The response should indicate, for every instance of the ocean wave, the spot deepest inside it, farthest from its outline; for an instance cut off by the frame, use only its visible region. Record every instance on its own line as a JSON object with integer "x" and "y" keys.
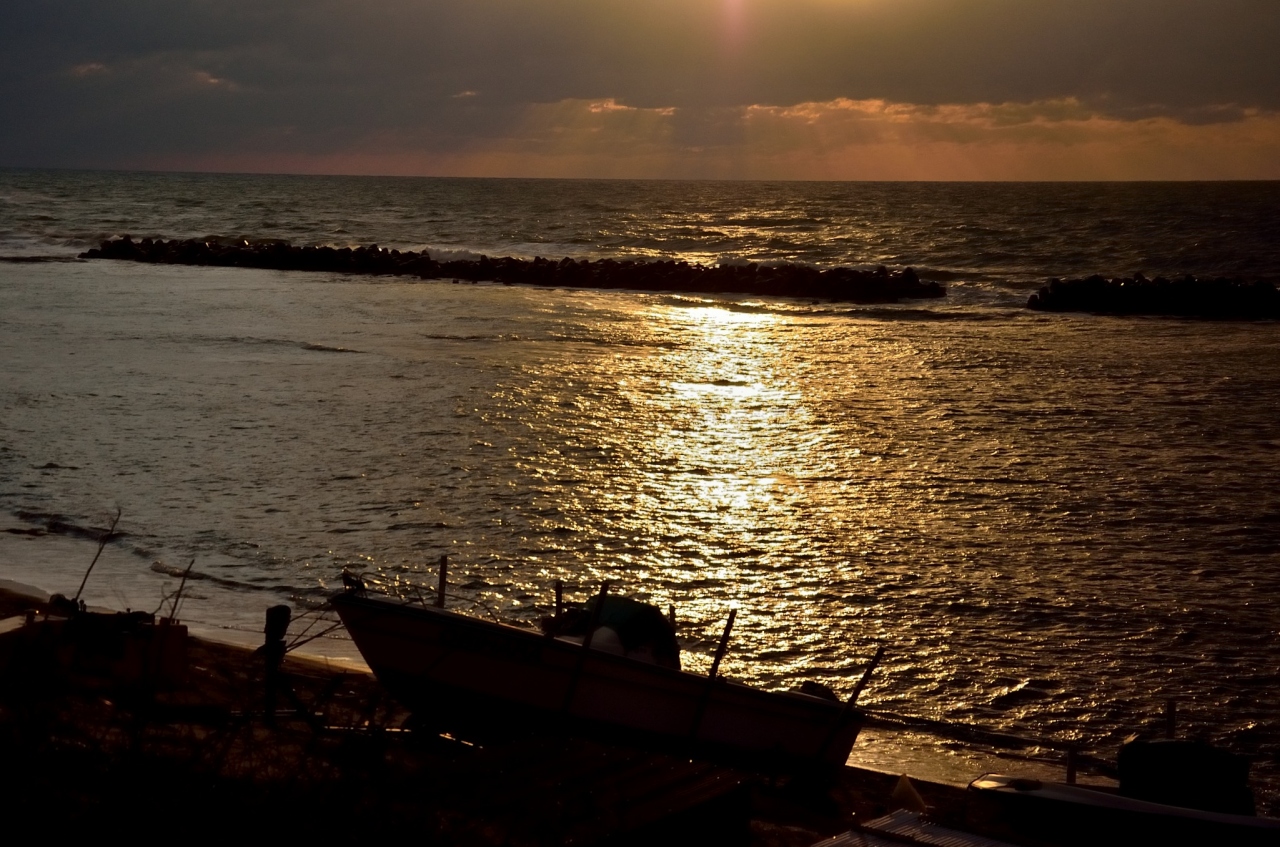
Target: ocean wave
{"x": 19, "y": 259}
{"x": 193, "y": 575}
{"x": 285, "y": 342}
{"x": 56, "y": 524}
{"x": 941, "y": 275}
{"x": 910, "y": 314}
{"x": 325, "y": 348}
{"x": 455, "y": 254}
{"x": 746, "y": 307}
{"x": 981, "y": 310}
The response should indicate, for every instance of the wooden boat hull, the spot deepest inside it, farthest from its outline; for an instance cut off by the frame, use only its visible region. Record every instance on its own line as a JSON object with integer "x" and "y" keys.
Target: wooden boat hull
{"x": 456, "y": 669}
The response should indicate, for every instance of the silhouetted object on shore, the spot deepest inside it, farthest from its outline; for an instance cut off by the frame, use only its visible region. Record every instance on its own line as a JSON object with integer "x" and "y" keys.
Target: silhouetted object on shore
{"x": 68, "y": 647}
{"x": 1170, "y": 792}
{"x": 1035, "y": 813}
{"x": 137, "y": 754}
{"x": 102, "y": 543}
{"x": 839, "y": 284}
{"x": 463, "y": 674}
{"x": 633, "y": 628}
{"x": 275, "y": 682}
{"x": 1186, "y": 297}
{"x": 1190, "y": 774}
{"x": 273, "y": 650}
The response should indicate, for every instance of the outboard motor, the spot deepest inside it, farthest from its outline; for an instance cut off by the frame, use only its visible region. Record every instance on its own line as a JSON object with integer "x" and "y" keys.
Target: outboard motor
{"x": 634, "y": 629}
{"x": 1191, "y": 774}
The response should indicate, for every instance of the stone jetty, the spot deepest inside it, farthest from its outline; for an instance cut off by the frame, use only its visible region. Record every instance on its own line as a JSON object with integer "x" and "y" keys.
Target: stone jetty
{"x": 836, "y": 284}
{"x": 1221, "y": 298}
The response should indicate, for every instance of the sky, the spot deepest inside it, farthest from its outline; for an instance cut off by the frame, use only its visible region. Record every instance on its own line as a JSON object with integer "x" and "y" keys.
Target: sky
{"x": 714, "y": 89}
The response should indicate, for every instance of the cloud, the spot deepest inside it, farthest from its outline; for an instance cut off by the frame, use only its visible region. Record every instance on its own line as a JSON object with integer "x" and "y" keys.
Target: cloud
{"x": 204, "y": 78}
{"x": 1056, "y": 139}
{"x": 838, "y": 139}
{"x": 878, "y": 139}
{"x": 87, "y": 69}
{"x": 453, "y": 82}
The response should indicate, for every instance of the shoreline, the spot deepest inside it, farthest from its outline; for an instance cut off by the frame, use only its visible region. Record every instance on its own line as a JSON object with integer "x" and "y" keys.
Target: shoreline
{"x": 884, "y": 746}
{"x": 205, "y": 735}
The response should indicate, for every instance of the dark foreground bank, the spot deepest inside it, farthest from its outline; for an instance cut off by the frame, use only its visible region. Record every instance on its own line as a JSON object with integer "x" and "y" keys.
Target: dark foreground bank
{"x": 193, "y": 747}
{"x": 836, "y": 284}
{"x": 123, "y": 722}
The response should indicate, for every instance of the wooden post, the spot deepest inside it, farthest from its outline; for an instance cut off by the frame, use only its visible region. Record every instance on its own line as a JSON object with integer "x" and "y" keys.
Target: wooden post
{"x": 852, "y": 701}
{"x": 671, "y": 616}
{"x": 177, "y": 598}
{"x": 276, "y": 683}
{"x": 559, "y": 597}
{"x": 273, "y": 650}
{"x": 444, "y": 580}
{"x": 1170, "y": 718}
{"x": 866, "y": 677}
{"x": 701, "y": 710}
{"x": 724, "y": 644}
{"x": 1071, "y": 765}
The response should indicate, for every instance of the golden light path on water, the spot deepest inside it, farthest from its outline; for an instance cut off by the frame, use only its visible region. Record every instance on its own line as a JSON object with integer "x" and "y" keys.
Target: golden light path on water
{"x": 727, "y": 420}
{"x": 721, "y": 460}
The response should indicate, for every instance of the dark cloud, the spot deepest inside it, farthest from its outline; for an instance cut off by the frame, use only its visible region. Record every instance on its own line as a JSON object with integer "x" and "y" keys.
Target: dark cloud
{"x": 94, "y": 83}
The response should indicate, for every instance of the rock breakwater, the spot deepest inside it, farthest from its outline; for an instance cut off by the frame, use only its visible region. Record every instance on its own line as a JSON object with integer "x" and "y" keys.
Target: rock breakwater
{"x": 1222, "y": 298}
{"x": 838, "y": 284}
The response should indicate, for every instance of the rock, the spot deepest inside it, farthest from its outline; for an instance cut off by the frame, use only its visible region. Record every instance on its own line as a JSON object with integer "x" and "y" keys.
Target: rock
{"x": 1221, "y": 298}
{"x": 840, "y": 284}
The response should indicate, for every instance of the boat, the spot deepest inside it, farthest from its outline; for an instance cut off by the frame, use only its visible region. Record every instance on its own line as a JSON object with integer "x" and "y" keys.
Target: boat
{"x": 1034, "y": 813}
{"x": 455, "y": 670}
{"x": 95, "y": 650}
{"x": 1171, "y": 791}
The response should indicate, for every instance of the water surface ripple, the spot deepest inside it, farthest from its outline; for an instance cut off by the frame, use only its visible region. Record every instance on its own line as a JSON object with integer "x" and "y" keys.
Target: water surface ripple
{"x": 1053, "y": 522}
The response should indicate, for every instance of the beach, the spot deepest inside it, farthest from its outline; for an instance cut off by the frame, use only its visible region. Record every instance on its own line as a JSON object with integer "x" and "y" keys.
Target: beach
{"x": 96, "y": 752}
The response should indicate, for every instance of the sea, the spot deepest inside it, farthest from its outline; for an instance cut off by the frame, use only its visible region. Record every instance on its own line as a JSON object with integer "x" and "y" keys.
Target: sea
{"x": 1054, "y": 524}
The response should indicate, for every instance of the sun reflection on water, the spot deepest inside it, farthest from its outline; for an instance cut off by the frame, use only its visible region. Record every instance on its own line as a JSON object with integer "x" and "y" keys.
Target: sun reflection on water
{"x": 720, "y": 443}
{"x": 696, "y": 453}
